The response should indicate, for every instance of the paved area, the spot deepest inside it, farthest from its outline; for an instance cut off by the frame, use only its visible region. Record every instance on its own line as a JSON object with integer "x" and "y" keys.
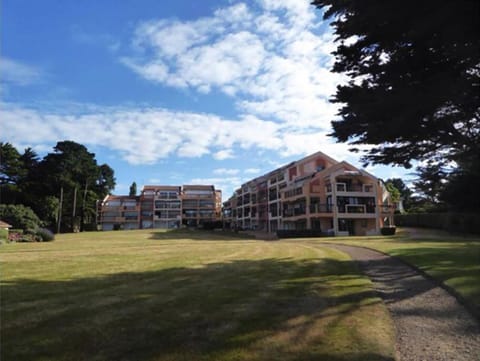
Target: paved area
{"x": 430, "y": 323}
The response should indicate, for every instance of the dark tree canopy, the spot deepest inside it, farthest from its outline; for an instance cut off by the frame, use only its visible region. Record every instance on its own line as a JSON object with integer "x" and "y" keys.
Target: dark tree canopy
{"x": 133, "y": 190}
{"x": 66, "y": 182}
{"x": 10, "y": 164}
{"x": 414, "y": 68}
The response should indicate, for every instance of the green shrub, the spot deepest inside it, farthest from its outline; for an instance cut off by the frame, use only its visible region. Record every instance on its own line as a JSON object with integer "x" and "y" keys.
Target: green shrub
{"x": 388, "y": 231}
{"x": 118, "y": 227}
{"x": 44, "y": 235}
{"x": 19, "y": 216}
{"x": 3, "y": 236}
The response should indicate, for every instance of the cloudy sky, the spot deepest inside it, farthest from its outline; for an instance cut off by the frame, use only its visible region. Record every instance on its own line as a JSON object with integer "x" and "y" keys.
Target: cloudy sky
{"x": 171, "y": 92}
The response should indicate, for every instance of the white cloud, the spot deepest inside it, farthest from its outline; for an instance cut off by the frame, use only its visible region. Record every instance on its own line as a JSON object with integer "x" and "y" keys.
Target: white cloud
{"x": 17, "y": 73}
{"x": 226, "y": 171}
{"x": 267, "y": 57}
{"x": 252, "y": 170}
{"x": 147, "y": 135}
{"x": 224, "y": 154}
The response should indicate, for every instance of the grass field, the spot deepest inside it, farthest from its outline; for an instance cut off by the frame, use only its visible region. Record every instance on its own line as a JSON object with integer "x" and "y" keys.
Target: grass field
{"x": 143, "y": 295}
{"x": 452, "y": 259}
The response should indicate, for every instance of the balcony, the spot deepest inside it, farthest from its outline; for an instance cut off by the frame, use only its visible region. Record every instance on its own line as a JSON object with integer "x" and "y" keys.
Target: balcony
{"x": 291, "y": 193}
{"x": 190, "y": 214}
{"x": 321, "y": 208}
{"x": 198, "y": 195}
{"x": 114, "y": 219}
{"x": 167, "y": 195}
{"x": 344, "y": 188}
{"x": 357, "y": 210}
{"x": 289, "y": 212}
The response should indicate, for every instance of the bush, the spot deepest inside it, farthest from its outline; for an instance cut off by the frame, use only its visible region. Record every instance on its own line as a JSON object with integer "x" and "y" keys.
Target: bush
{"x": 44, "y": 235}
{"x": 19, "y": 216}
{"x": 15, "y": 235}
{"x": 3, "y": 235}
{"x": 388, "y": 231}
{"x": 211, "y": 225}
{"x": 118, "y": 227}
{"x": 293, "y": 233}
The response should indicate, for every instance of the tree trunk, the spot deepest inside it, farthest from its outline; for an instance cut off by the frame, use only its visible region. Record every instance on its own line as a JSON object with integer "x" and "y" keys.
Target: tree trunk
{"x": 60, "y": 210}
{"x": 82, "y": 214}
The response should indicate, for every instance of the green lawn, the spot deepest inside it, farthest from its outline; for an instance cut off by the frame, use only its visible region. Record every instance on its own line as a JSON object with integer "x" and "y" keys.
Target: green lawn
{"x": 143, "y": 295}
{"x": 452, "y": 259}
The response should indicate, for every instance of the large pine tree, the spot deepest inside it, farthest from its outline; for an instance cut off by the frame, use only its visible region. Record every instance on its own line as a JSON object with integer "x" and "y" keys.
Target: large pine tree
{"x": 414, "y": 68}
{"x": 64, "y": 185}
{"x": 414, "y": 88}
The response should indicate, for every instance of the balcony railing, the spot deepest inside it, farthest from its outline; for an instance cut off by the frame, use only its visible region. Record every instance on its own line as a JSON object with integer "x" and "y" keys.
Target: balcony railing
{"x": 321, "y": 208}
{"x": 344, "y": 187}
{"x": 356, "y": 209}
{"x": 294, "y": 212}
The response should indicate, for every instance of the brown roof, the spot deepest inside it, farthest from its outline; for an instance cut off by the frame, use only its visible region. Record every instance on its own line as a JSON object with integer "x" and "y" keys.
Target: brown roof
{"x": 5, "y": 225}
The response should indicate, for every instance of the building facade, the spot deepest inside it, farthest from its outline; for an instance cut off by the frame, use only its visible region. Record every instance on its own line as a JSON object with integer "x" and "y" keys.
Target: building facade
{"x": 161, "y": 207}
{"x": 315, "y": 192}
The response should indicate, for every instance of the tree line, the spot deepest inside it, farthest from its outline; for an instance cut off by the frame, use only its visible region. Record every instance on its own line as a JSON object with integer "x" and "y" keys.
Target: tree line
{"x": 61, "y": 189}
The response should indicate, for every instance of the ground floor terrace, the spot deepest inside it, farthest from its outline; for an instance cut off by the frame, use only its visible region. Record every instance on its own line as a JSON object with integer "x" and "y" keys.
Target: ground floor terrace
{"x": 327, "y": 224}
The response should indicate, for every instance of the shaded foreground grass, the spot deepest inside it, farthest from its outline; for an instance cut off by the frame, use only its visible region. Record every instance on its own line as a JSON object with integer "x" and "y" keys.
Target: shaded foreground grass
{"x": 139, "y": 295}
{"x": 451, "y": 259}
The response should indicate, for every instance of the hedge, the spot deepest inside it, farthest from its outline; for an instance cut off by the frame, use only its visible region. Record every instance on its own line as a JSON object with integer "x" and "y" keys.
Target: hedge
{"x": 3, "y": 234}
{"x": 292, "y": 233}
{"x": 451, "y": 222}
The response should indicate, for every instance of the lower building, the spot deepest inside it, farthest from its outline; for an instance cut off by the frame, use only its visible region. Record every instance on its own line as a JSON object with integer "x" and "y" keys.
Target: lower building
{"x": 313, "y": 193}
{"x": 118, "y": 212}
{"x": 161, "y": 207}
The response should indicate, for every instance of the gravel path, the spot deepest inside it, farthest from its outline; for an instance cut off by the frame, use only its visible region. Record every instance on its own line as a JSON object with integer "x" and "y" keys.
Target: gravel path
{"x": 430, "y": 324}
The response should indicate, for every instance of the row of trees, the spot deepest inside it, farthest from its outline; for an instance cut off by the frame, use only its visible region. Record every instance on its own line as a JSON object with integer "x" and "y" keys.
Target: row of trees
{"x": 435, "y": 189}
{"x": 413, "y": 93}
{"x": 62, "y": 188}
{"x": 423, "y": 197}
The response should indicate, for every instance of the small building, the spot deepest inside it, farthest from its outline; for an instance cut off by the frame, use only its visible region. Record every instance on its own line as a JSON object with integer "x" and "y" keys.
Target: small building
{"x": 4, "y": 227}
{"x": 161, "y": 206}
{"x": 118, "y": 212}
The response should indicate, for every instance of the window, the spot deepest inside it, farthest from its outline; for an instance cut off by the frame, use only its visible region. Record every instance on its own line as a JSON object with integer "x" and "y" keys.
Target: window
{"x": 368, "y": 188}
{"x": 274, "y": 210}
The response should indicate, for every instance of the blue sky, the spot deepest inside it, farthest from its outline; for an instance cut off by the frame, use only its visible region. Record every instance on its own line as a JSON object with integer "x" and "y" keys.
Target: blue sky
{"x": 171, "y": 92}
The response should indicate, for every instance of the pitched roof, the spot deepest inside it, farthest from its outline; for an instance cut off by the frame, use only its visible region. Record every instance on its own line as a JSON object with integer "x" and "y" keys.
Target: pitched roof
{"x": 5, "y": 225}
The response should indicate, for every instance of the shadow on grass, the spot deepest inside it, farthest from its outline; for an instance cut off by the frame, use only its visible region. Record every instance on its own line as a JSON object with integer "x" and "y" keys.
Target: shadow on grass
{"x": 270, "y": 309}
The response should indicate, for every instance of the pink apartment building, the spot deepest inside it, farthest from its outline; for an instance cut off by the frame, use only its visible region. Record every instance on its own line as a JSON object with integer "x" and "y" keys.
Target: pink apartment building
{"x": 160, "y": 206}
{"x": 313, "y": 193}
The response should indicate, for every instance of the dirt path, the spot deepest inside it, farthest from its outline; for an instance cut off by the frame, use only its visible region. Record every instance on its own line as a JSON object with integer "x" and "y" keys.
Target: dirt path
{"x": 430, "y": 324}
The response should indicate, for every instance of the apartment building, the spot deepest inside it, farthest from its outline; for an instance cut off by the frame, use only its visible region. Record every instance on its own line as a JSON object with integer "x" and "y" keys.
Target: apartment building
{"x": 316, "y": 192}
{"x": 116, "y": 212}
{"x": 160, "y": 206}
